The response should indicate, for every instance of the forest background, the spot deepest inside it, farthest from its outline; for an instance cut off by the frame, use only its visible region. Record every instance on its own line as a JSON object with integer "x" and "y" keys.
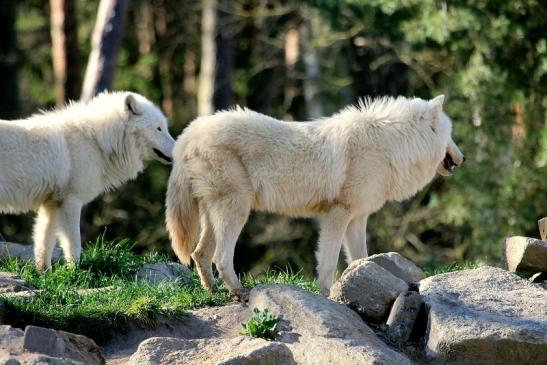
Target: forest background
{"x": 299, "y": 60}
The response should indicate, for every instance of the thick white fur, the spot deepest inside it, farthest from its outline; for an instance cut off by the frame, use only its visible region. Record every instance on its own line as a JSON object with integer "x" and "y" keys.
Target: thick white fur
{"x": 339, "y": 169}
{"x": 57, "y": 161}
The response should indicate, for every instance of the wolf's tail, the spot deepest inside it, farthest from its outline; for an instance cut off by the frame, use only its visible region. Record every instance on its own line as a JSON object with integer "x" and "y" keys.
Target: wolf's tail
{"x": 182, "y": 213}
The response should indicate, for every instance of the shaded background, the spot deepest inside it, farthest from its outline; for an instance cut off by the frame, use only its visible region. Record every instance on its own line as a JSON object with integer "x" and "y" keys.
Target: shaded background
{"x": 298, "y": 60}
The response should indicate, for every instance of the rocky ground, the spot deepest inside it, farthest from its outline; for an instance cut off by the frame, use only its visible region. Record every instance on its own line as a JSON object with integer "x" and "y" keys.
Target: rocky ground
{"x": 381, "y": 311}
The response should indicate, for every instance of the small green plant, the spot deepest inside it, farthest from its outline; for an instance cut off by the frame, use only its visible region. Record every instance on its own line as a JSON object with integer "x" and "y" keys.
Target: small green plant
{"x": 262, "y": 325}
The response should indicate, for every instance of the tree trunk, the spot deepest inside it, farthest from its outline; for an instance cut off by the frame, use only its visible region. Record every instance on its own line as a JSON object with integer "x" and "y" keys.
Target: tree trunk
{"x": 9, "y": 90}
{"x": 311, "y": 82}
{"x": 224, "y": 93}
{"x": 64, "y": 41}
{"x": 106, "y": 39}
{"x": 206, "y": 87}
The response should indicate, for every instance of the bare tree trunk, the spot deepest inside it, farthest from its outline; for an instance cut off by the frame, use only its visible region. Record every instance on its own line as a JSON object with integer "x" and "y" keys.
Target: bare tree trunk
{"x": 224, "y": 93}
{"x": 311, "y": 82}
{"x": 64, "y": 39}
{"x": 9, "y": 90}
{"x": 206, "y": 87}
{"x": 106, "y": 39}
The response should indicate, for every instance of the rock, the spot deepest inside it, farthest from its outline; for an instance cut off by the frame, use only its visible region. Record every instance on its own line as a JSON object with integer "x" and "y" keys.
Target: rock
{"x": 43, "y": 340}
{"x": 368, "y": 288}
{"x": 158, "y": 272}
{"x": 237, "y": 351}
{"x": 402, "y": 317}
{"x": 485, "y": 316}
{"x": 60, "y": 344}
{"x": 12, "y": 283}
{"x": 37, "y": 346}
{"x": 214, "y": 322}
{"x": 23, "y": 252}
{"x": 399, "y": 266}
{"x": 320, "y": 331}
{"x": 525, "y": 254}
{"x": 10, "y": 337}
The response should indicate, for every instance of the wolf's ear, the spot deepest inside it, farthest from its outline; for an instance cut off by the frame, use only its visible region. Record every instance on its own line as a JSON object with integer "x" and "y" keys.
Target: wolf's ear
{"x": 132, "y": 105}
{"x": 437, "y": 102}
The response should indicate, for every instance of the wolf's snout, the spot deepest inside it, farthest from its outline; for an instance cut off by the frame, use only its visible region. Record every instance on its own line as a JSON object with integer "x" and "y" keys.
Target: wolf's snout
{"x": 162, "y": 156}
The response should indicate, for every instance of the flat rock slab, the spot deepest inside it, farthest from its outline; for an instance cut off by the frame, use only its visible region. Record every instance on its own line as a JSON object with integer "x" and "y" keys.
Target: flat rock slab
{"x": 525, "y": 254}
{"x": 399, "y": 266}
{"x": 485, "y": 316}
{"x": 368, "y": 288}
{"x": 23, "y": 252}
{"x": 236, "y": 351}
{"x": 161, "y": 271}
{"x": 321, "y": 331}
{"x": 215, "y": 322}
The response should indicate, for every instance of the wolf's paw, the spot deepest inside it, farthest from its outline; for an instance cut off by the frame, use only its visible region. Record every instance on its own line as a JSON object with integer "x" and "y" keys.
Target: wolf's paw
{"x": 241, "y": 295}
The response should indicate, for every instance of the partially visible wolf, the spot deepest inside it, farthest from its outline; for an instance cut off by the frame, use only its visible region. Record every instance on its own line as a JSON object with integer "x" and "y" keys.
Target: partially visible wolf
{"x": 340, "y": 169}
{"x": 57, "y": 161}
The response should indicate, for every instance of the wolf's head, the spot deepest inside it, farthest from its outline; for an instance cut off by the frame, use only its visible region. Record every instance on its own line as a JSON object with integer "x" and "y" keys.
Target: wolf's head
{"x": 453, "y": 157}
{"x": 150, "y": 127}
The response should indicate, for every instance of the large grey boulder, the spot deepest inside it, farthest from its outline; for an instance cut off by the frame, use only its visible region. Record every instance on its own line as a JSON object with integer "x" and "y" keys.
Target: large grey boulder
{"x": 399, "y": 266}
{"x": 368, "y": 288}
{"x": 236, "y": 351}
{"x": 38, "y": 345}
{"x": 161, "y": 271}
{"x": 525, "y": 254}
{"x": 23, "y": 252}
{"x": 321, "y": 331}
{"x": 485, "y": 316}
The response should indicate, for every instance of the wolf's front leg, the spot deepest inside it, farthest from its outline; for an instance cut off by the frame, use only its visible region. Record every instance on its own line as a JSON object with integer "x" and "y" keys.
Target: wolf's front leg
{"x": 69, "y": 230}
{"x": 44, "y": 236}
{"x": 356, "y": 239}
{"x": 332, "y": 229}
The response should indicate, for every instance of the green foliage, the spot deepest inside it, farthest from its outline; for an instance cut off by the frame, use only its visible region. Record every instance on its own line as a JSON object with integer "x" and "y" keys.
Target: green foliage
{"x": 432, "y": 271}
{"x": 263, "y": 324}
{"x": 284, "y": 276}
{"x": 120, "y": 299}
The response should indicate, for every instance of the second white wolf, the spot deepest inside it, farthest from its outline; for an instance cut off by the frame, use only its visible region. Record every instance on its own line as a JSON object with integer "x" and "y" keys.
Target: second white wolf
{"x": 340, "y": 169}
{"x": 57, "y": 161}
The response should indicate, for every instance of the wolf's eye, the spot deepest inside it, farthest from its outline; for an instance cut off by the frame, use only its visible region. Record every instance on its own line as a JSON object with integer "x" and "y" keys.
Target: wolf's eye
{"x": 159, "y": 129}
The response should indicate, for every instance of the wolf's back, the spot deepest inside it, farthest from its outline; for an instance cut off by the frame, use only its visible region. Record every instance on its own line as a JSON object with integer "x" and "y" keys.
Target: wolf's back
{"x": 182, "y": 214}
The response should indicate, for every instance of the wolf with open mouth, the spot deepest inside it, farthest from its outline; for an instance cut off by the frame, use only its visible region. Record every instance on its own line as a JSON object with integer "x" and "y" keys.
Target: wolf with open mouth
{"x": 339, "y": 169}
{"x": 57, "y": 161}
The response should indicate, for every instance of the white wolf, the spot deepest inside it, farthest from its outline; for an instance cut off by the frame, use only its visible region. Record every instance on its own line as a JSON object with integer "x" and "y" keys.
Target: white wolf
{"x": 57, "y": 161}
{"x": 339, "y": 169}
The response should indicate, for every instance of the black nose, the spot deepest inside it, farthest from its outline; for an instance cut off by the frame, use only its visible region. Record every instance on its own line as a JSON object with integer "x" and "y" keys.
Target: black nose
{"x": 463, "y": 159}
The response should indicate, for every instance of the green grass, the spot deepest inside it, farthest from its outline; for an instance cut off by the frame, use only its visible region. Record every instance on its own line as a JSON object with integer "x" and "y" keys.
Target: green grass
{"x": 436, "y": 270}
{"x": 101, "y": 314}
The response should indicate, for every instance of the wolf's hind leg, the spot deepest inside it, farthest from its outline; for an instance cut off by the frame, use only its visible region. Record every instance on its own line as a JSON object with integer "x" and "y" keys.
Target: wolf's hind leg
{"x": 204, "y": 252}
{"x": 332, "y": 226}
{"x": 44, "y": 236}
{"x": 228, "y": 216}
{"x": 355, "y": 243}
{"x": 69, "y": 230}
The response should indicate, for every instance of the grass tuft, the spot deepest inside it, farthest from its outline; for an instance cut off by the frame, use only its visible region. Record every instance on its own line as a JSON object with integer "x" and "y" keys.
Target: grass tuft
{"x": 432, "y": 271}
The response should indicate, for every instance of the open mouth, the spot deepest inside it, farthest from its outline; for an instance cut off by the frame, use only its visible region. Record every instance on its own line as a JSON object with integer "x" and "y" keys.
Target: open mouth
{"x": 162, "y": 156}
{"x": 448, "y": 163}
